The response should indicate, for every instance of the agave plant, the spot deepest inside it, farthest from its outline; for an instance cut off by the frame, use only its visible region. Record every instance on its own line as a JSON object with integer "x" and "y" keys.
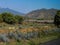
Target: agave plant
{"x": 4, "y": 38}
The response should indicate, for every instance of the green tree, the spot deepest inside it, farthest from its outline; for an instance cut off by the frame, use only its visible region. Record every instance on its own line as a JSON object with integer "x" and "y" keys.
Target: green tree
{"x": 1, "y": 19}
{"x": 11, "y": 19}
{"x": 57, "y": 19}
{"x": 8, "y": 18}
{"x": 19, "y": 19}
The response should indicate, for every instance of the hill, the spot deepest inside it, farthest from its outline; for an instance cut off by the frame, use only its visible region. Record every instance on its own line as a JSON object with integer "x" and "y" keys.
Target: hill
{"x": 11, "y": 11}
{"x": 42, "y": 14}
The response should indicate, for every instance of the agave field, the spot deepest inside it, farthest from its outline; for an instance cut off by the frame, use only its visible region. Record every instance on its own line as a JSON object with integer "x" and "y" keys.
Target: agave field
{"x": 28, "y": 34}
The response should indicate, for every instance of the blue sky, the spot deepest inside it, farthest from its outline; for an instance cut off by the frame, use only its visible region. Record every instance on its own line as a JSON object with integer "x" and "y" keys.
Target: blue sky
{"x": 26, "y": 6}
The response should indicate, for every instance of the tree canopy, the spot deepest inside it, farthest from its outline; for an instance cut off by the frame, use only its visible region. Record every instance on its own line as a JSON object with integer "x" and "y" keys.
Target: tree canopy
{"x": 57, "y": 19}
{"x": 19, "y": 19}
{"x": 10, "y": 18}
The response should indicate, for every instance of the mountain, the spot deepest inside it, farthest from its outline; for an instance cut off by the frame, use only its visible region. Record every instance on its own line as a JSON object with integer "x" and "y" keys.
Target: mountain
{"x": 11, "y": 11}
{"x": 42, "y": 14}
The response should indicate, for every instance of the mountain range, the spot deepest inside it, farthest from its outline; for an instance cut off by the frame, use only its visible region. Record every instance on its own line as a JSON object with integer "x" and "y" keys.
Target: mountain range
{"x": 42, "y": 13}
{"x": 35, "y": 14}
{"x": 10, "y": 11}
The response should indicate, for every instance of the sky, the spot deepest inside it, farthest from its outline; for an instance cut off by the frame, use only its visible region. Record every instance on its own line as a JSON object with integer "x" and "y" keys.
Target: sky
{"x": 26, "y": 6}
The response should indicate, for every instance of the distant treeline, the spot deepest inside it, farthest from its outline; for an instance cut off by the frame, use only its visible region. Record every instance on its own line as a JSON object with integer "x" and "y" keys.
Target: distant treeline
{"x": 10, "y": 18}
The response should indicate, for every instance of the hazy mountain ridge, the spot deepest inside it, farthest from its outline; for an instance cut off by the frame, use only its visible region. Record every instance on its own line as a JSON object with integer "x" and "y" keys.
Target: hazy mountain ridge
{"x": 42, "y": 13}
{"x": 11, "y": 11}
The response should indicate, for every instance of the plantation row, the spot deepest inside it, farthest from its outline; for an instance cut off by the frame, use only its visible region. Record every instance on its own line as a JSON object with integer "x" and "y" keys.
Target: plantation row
{"x": 18, "y": 36}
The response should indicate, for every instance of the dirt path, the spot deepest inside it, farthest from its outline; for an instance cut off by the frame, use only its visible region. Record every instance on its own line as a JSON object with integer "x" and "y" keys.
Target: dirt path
{"x": 54, "y": 42}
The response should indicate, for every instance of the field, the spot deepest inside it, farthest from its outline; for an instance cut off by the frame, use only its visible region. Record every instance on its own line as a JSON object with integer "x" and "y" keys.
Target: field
{"x": 28, "y": 33}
